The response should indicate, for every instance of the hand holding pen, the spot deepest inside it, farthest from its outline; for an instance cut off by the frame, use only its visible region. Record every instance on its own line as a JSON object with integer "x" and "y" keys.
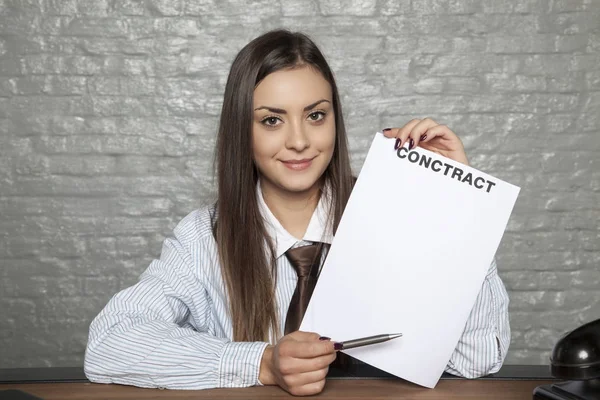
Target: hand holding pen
{"x": 299, "y": 362}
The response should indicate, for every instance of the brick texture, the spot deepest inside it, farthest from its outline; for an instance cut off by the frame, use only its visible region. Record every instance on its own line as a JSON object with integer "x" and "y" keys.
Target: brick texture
{"x": 108, "y": 113}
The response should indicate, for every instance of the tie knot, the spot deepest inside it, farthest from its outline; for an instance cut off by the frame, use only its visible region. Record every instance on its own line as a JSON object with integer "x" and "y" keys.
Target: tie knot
{"x": 303, "y": 259}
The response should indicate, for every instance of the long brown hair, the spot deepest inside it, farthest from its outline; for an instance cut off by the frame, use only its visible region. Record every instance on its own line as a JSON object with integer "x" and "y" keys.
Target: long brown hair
{"x": 249, "y": 272}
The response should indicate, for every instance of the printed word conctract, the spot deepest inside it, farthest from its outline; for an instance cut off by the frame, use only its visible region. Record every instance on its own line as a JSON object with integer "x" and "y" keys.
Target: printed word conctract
{"x": 448, "y": 170}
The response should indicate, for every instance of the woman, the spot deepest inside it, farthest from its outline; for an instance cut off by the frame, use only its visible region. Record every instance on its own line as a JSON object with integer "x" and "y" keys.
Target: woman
{"x": 212, "y": 311}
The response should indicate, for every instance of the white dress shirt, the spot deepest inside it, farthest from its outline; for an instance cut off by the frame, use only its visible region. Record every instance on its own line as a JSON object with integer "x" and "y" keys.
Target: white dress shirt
{"x": 172, "y": 329}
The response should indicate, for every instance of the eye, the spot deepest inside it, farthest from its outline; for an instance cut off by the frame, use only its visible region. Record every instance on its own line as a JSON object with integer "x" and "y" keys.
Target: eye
{"x": 316, "y": 116}
{"x": 270, "y": 121}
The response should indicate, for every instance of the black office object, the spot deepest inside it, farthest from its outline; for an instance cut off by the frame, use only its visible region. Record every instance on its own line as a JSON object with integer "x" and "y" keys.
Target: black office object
{"x": 576, "y": 357}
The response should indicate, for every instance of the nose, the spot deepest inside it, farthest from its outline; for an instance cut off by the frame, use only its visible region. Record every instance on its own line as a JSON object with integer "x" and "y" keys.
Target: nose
{"x": 297, "y": 138}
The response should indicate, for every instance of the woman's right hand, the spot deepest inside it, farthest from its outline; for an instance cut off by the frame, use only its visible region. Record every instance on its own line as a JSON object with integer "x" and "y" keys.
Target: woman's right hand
{"x": 298, "y": 363}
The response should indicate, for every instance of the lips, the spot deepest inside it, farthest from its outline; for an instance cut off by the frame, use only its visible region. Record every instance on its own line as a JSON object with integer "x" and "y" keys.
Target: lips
{"x": 298, "y": 165}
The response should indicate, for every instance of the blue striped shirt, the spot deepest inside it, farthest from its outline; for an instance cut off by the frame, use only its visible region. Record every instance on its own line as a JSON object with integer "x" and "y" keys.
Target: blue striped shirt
{"x": 172, "y": 329}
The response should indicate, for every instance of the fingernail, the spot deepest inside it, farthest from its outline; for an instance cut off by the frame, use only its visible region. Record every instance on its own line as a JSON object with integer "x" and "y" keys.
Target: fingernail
{"x": 324, "y": 338}
{"x": 412, "y": 144}
{"x": 424, "y": 136}
{"x": 338, "y": 346}
{"x": 387, "y": 129}
{"x": 398, "y": 141}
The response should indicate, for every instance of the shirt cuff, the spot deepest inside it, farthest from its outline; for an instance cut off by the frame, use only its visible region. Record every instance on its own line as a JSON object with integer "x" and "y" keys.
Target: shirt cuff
{"x": 240, "y": 364}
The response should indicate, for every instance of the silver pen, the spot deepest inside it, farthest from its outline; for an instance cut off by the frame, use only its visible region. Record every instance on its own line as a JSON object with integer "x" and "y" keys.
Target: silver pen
{"x": 350, "y": 344}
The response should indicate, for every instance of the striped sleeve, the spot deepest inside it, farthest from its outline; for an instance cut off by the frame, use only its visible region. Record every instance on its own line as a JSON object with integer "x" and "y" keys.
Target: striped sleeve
{"x": 485, "y": 340}
{"x": 143, "y": 338}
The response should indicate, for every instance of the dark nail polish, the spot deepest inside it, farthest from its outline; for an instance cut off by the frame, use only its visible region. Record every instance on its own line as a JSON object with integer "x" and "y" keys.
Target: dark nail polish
{"x": 424, "y": 136}
{"x": 324, "y": 338}
{"x": 338, "y": 346}
{"x": 412, "y": 144}
{"x": 387, "y": 129}
{"x": 397, "y": 144}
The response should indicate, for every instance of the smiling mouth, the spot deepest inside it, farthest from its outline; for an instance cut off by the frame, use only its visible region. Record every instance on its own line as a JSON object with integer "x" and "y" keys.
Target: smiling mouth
{"x": 298, "y": 165}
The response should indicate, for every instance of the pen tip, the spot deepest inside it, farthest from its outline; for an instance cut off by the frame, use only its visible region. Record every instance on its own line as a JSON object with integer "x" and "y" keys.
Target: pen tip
{"x": 395, "y": 335}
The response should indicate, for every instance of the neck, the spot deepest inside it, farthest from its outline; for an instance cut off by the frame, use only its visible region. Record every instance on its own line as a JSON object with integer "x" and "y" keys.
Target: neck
{"x": 292, "y": 210}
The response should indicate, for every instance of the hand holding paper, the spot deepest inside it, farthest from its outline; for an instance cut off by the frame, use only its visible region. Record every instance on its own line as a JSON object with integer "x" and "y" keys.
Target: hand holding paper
{"x": 431, "y": 136}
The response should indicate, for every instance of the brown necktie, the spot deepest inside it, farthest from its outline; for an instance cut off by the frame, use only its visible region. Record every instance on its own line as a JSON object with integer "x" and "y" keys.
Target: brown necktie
{"x": 305, "y": 260}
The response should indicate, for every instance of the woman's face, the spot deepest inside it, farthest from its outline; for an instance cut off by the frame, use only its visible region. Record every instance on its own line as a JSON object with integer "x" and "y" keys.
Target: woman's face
{"x": 293, "y": 130}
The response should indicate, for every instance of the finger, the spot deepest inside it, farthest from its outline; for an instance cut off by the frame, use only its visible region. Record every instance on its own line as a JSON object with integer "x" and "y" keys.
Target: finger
{"x": 304, "y": 336}
{"x": 292, "y": 365}
{"x": 305, "y": 378}
{"x": 403, "y": 132}
{"x": 300, "y": 365}
{"x": 442, "y": 131}
{"x": 318, "y": 349}
{"x": 419, "y": 132}
{"x": 307, "y": 390}
{"x": 390, "y": 132}
{"x": 443, "y": 135}
{"x": 442, "y": 140}
{"x": 306, "y": 349}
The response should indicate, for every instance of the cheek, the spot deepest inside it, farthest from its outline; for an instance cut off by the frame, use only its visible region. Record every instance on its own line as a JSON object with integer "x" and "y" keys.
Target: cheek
{"x": 325, "y": 139}
{"x": 327, "y": 144}
{"x": 265, "y": 144}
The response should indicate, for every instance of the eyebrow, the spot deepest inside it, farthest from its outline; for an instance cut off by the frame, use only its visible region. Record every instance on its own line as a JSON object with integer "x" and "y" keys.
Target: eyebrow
{"x": 282, "y": 111}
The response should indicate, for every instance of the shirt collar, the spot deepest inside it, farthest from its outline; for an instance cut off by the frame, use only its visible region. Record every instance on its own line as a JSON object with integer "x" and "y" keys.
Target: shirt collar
{"x": 318, "y": 229}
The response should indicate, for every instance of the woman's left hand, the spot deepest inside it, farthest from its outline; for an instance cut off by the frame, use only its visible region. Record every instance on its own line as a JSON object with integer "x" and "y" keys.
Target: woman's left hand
{"x": 431, "y": 136}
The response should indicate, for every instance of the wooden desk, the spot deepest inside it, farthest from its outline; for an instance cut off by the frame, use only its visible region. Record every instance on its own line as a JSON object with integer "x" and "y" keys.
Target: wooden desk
{"x": 335, "y": 389}
{"x": 365, "y": 382}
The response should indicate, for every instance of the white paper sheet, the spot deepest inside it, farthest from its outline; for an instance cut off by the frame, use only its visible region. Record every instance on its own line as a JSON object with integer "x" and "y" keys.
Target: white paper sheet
{"x": 410, "y": 256}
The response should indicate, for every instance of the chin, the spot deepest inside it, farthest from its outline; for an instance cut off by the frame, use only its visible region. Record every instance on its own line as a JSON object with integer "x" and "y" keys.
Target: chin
{"x": 297, "y": 187}
{"x": 299, "y": 184}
